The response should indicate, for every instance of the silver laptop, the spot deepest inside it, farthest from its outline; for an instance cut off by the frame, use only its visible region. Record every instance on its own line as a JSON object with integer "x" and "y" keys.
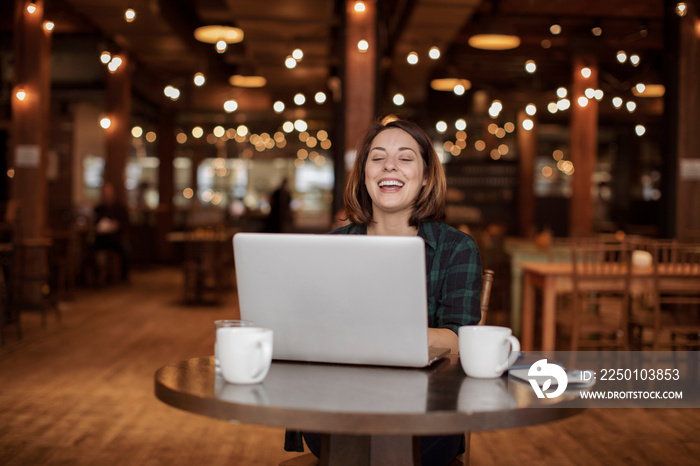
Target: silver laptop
{"x": 351, "y": 299}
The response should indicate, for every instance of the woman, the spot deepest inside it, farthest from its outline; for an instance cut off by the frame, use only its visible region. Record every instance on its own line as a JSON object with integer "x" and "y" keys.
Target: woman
{"x": 397, "y": 188}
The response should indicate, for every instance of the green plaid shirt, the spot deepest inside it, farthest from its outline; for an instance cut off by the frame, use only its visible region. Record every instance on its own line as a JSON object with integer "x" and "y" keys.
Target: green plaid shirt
{"x": 453, "y": 267}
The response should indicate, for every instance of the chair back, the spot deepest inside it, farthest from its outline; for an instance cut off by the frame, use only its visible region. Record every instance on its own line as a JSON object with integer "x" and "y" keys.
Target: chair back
{"x": 601, "y": 279}
{"x": 676, "y": 268}
{"x": 486, "y": 283}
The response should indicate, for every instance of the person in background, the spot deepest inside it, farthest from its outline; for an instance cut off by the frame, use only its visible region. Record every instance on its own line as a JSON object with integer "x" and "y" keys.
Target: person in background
{"x": 397, "y": 188}
{"x": 279, "y": 220}
{"x": 112, "y": 227}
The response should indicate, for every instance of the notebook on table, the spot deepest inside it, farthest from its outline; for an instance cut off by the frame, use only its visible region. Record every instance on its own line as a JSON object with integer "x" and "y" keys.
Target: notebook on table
{"x": 350, "y": 299}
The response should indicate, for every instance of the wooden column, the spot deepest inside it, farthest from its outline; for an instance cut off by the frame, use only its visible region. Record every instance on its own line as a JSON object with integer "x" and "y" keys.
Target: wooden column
{"x": 360, "y": 72}
{"x": 30, "y": 123}
{"x": 687, "y": 95}
{"x": 30, "y": 119}
{"x": 166, "y": 151}
{"x": 527, "y": 152}
{"x": 118, "y": 109}
{"x": 584, "y": 146}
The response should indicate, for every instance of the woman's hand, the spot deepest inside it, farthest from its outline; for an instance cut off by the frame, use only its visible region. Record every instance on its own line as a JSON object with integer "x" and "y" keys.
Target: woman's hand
{"x": 443, "y": 338}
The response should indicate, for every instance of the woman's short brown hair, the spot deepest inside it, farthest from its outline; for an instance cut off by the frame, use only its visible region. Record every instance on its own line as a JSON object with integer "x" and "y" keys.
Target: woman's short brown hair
{"x": 430, "y": 203}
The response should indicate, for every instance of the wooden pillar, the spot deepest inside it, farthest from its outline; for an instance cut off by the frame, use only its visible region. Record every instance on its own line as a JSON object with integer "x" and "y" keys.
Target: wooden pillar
{"x": 687, "y": 95}
{"x": 584, "y": 145}
{"x": 360, "y": 72}
{"x": 118, "y": 109}
{"x": 30, "y": 119}
{"x": 527, "y": 152}
{"x": 30, "y": 124}
{"x": 166, "y": 151}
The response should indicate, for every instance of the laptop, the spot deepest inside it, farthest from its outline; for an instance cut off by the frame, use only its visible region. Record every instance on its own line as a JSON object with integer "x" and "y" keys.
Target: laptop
{"x": 349, "y": 299}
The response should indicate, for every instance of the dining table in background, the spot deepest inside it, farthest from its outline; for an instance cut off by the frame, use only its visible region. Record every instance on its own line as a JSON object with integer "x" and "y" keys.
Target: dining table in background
{"x": 207, "y": 264}
{"x": 368, "y": 415}
{"x": 555, "y": 278}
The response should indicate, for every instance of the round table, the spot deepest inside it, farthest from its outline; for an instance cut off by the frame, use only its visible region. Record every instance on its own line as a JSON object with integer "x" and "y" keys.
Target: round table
{"x": 370, "y": 413}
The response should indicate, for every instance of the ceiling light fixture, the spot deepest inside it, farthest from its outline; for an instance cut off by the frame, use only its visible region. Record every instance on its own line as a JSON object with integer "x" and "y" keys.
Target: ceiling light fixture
{"x": 220, "y": 35}
{"x": 449, "y": 84}
{"x": 494, "y": 34}
{"x": 495, "y": 37}
{"x": 649, "y": 90}
{"x": 249, "y": 82}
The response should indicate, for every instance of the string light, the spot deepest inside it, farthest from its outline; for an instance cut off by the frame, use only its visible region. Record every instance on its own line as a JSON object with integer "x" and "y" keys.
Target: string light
{"x": 530, "y": 66}
{"x": 681, "y": 9}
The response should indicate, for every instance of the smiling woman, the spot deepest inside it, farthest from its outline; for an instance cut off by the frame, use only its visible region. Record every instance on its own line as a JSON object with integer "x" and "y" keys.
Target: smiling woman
{"x": 397, "y": 188}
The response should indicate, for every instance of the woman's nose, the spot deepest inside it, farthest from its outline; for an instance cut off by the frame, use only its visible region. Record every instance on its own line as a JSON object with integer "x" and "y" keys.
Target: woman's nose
{"x": 389, "y": 164}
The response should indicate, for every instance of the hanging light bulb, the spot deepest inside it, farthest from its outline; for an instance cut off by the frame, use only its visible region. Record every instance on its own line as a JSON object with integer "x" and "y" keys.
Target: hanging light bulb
{"x": 129, "y": 15}
{"x": 221, "y": 46}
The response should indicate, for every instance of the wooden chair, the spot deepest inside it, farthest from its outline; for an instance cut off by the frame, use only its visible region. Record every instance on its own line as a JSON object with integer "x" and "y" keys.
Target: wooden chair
{"x": 676, "y": 294}
{"x": 486, "y": 284}
{"x": 601, "y": 283}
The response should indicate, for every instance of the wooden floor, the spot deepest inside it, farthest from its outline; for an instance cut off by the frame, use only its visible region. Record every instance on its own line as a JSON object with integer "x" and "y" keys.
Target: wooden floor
{"x": 80, "y": 392}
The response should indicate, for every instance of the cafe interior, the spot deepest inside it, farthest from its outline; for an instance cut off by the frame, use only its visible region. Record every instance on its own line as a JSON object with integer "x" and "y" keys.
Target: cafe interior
{"x": 567, "y": 131}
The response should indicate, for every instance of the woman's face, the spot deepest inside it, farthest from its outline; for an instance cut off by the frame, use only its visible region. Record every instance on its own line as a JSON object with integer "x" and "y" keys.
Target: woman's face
{"x": 394, "y": 172}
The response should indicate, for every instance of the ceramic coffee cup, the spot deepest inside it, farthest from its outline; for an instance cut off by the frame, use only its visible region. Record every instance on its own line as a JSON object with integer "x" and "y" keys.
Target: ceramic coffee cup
{"x": 486, "y": 351}
{"x": 245, "y": 353}
{"x": 226, "y": 323}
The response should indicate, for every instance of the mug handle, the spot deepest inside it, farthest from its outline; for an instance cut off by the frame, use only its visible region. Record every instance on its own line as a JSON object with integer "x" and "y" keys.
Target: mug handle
{"x": 265, "y": 352}
{"x": 514, "y": 353}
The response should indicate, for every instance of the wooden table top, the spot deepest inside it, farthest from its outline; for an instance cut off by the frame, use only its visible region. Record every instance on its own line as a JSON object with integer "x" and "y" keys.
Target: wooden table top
{"x": 362, "y": 400}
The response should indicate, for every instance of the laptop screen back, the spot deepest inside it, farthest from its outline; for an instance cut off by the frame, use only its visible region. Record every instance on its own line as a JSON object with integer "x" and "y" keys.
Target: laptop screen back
{"x": 336, "y": 298}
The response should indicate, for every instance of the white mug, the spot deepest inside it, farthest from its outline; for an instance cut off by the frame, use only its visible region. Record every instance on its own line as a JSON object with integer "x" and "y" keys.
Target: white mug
{"x": 245, "y": 353}
{"x": 226, "y": 323}
{"x": 486, "y": 351}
